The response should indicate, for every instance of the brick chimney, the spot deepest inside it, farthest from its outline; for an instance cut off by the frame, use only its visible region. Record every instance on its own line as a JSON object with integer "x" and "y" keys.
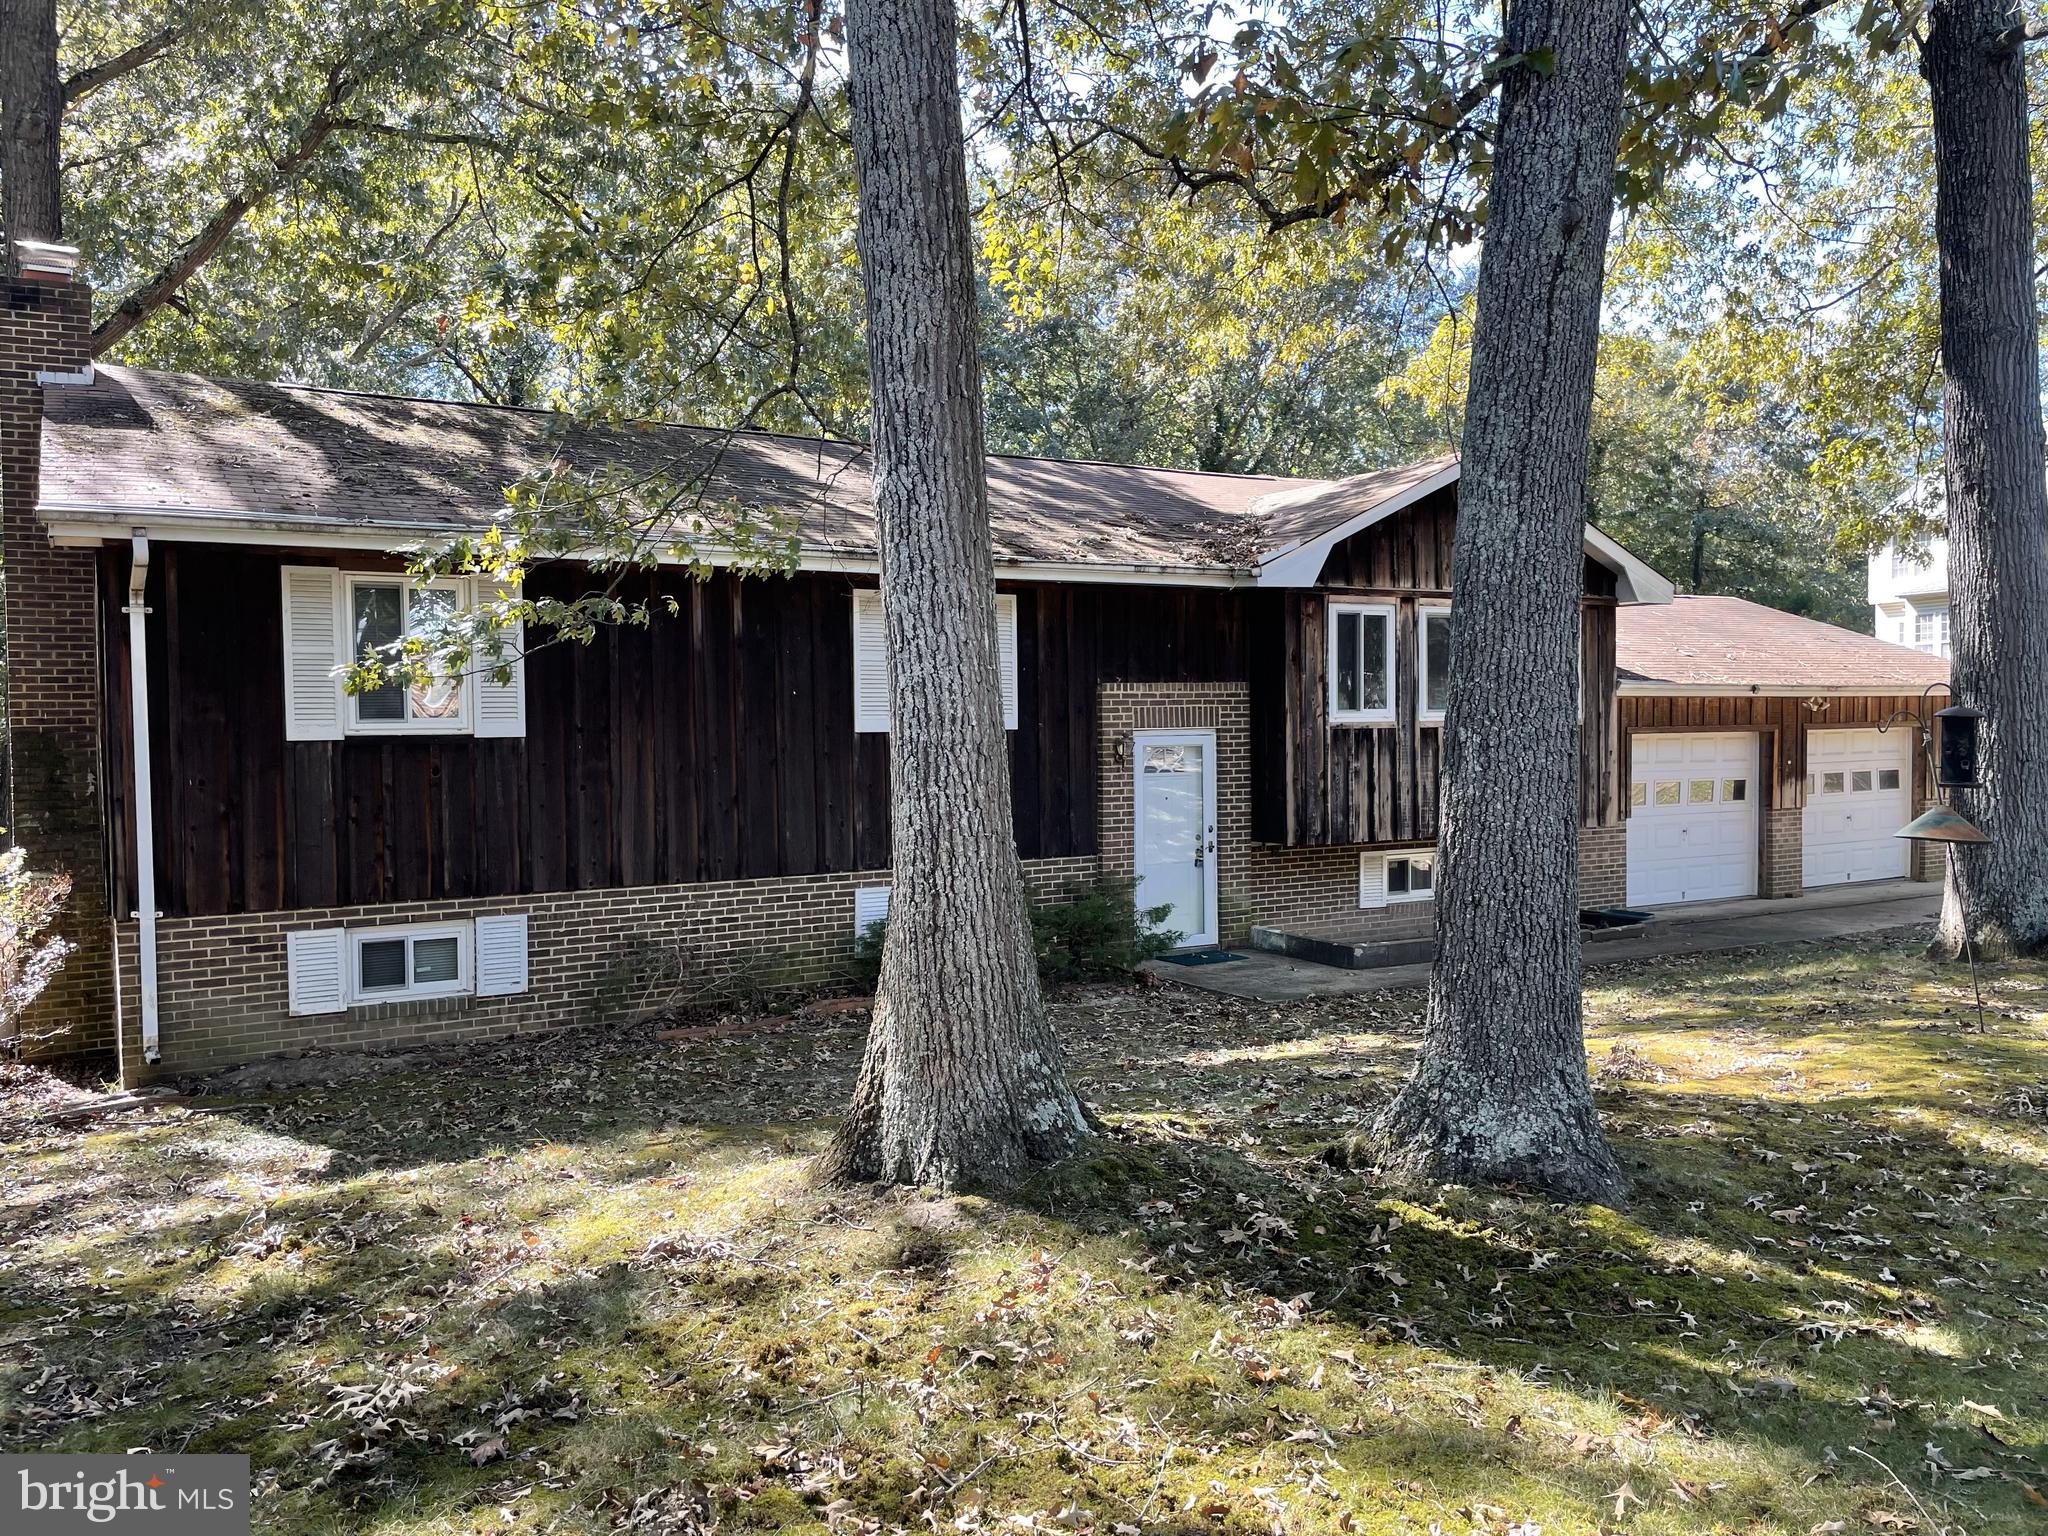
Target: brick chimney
{"x": 54, "y": 784}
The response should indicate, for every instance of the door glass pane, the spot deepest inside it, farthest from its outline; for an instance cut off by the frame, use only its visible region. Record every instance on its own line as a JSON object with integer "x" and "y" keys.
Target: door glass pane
{"x": 1831, "y": 783}
{"x": 436, "y": 960}
{"x": 1700, "y": 792}
{"x": 1349, "y": 695}
{"x": 379, "y": 622}
{"x": 1887, "y": 778}
{"x": 1171, "y": 760}
{"x": 1734, "y": 789}
{"x": 1638, "y": 794}
{"x": 1436, "y": 682}
{"x": 380, "y": 964}
{"x": 1667, "y": 791}
{"x": 1860, "y": 780}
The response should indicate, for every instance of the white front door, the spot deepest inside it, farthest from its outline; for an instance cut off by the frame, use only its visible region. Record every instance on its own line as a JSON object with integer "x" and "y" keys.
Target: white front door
{"x": 1175, "y": 803}
{"x": 1692, "y": 827}
{"x": 1859, "y": 791}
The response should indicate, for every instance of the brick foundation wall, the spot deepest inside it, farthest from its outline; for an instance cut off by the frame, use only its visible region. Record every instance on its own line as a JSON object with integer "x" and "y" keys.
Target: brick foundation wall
{"x": 53, "y": 683}
{"x": 1603, "y": 866}
{"x": 221, "y": 993}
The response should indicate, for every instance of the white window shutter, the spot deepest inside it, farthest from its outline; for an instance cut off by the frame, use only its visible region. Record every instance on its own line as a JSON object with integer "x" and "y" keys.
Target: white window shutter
{"x": 315, "y": 649}
{"x": 316, "y": 978}
{"x": 1372, "y": 880}
{"x": 501, "y": 954}
{"x": 501, "y": 707}
{"x": 1006, "y": 656}
{"x": 870, "y": 906}
{"x": 870, "y": 664}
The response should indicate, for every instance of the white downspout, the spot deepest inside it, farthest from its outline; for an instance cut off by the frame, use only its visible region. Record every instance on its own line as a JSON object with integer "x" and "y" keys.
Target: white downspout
{"x": 145, "y": 823}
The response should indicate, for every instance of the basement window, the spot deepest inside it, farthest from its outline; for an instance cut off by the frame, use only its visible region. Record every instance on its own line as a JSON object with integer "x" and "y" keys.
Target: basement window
{"x": 1411, "y": 876}
{"x": 392, "y": 965}
{"x": 1361, "y": 664}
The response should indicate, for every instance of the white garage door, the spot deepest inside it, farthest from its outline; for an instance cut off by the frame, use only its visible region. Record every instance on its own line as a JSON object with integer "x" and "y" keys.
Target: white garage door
{"x": 1692, "y": 817}
{"x": 1859, "y": 791}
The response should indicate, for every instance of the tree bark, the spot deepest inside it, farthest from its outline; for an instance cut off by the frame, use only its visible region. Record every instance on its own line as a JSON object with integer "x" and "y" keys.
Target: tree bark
{"x": 31, "y": 113}
{"x": 962, "y": 1082}
{"x": 1996, "y": 477}
{"x": 1500, "y": 1093}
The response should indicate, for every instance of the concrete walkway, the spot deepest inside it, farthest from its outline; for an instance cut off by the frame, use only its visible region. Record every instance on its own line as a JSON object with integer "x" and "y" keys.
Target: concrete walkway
{"x": 1838, "y": 912}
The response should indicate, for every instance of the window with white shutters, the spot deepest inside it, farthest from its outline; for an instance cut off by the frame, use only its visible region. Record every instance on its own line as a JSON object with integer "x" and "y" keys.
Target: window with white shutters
{"x": 871, "y": 661}
{"x": 332, "y": 618}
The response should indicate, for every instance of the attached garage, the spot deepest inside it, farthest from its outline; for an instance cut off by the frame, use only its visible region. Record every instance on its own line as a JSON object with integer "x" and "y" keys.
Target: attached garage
{"x": 1692, "y": 823}
{"x": 1859, "y": 791}
{"x": 1753, "y": 756}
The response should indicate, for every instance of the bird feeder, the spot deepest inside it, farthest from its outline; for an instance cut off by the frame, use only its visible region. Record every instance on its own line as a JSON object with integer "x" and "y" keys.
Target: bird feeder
{"x": 1959, "y": 728}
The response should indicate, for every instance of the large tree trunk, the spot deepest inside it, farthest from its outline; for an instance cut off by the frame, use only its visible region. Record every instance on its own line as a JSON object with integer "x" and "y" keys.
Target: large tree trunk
{"x": 31, "y": 112}
{"x": 1997, "y": 481}
{"x": 1500, "y": 1093}
{"x": 962, "y": 1083}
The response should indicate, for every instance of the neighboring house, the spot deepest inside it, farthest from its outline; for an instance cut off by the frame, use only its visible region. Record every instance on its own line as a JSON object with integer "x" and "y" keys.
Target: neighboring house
{"x": 1765, "y": 753}
{"x": 1909, "y": 593}
{"x": 1229, "y": 687}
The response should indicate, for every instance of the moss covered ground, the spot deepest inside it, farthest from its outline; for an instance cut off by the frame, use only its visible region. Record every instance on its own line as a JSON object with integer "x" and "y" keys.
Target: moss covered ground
{"x": 582, "y": 1284}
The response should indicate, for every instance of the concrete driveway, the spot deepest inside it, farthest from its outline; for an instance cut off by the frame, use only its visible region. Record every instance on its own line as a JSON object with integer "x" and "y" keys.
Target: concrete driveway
{"x": 1837, "y": 912}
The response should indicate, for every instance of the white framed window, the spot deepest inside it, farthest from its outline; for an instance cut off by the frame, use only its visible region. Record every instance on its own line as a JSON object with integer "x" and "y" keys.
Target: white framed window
{"x": 1411, "y": 876}
{"x": 1930, "y": 630}
{"x": 395, "y": 965}
{"x": 1389, "y": 879}
{"x": 1432, "y": 661}
{"x": 871, "y": 661}
{"x": 331, "y": 617}
{"x": 1361, "y": 663}
{"x": 381, "y": 611}
{"x": 330, "y": 970}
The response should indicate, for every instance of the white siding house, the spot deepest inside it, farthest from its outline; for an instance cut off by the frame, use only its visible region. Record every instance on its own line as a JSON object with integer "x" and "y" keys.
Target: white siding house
{"x": 1909, "y": 594}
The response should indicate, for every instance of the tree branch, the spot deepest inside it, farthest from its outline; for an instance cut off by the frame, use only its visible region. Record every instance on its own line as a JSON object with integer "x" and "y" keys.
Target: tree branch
{"x": 2017, "y": 36}
{"x": 144, "y": 300}
{"x": 93, "y": 76}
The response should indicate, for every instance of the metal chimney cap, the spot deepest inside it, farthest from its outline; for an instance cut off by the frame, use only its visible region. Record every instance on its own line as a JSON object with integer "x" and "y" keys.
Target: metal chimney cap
{"x": 46, "y": 258}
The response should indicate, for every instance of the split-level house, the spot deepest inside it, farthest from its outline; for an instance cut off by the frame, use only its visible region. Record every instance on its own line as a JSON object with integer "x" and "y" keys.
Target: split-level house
{"x": 1229, "y": 688}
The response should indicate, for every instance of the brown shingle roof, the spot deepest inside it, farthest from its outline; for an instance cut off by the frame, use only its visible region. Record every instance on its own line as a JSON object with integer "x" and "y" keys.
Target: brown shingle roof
{"x": 1728, "y": 645}
{"x": 289, "y": 455}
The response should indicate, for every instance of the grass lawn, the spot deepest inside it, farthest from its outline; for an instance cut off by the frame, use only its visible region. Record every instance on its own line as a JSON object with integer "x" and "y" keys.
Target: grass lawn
{"x": 580, "y": 1284}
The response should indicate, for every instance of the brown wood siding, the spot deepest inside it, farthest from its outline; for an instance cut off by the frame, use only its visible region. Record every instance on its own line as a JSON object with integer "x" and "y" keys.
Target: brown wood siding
{"x": 717, "y": 745}
{"x": 1323, "y": 785}
{"x": 1783, "y": 723}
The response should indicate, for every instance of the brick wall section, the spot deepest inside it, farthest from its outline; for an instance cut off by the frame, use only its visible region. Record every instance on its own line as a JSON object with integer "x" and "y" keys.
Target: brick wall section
{"x": 1311, "y": 891}
{"x": 1781, "y": 856}
{"x": 1603, "y": 866}
{"x": 53, "y": 685}
{"x": 222, "y": 990}
{"x": 1929, "y": 860}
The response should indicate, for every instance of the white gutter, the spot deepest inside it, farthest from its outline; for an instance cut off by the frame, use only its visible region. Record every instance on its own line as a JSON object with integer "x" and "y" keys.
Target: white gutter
{"x": 145, "y": 827}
